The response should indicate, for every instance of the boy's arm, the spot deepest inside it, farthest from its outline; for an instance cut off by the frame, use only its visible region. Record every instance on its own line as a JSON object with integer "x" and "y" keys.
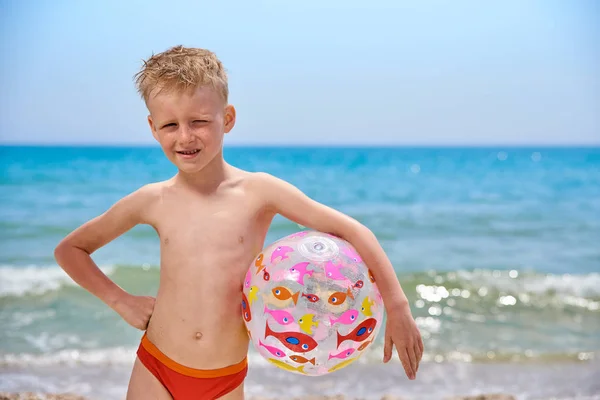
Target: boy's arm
{"x": 285, "y": 199}
{"x": 73, "y": 253}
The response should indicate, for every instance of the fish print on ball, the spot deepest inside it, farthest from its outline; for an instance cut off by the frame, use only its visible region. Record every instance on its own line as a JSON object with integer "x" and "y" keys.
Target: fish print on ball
{"x": 310, "y": 304}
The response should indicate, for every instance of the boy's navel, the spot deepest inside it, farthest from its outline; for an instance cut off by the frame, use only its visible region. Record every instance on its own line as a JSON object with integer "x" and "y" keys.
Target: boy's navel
{"x": 166, "y": 241}
{"x": 241, "y": 239}
{"x": 198, "y": 335}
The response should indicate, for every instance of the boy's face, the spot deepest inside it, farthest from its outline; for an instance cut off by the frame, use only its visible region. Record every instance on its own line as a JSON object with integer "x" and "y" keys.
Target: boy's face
{"x": 190, "y": 126}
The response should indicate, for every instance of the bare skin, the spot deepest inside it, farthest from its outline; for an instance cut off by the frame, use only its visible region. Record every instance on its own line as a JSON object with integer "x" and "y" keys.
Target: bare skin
{"x": 212, "y": 219}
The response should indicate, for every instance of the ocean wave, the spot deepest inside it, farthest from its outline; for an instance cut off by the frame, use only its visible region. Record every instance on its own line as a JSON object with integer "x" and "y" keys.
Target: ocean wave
{"x": 504, "y": 289}
{"x": 584, "y": 285}
{"x": 34, "y": 280}
{"x": 125, "y": 355}
{"x": 71, "y": 357}
{"x": 498, "y": 285}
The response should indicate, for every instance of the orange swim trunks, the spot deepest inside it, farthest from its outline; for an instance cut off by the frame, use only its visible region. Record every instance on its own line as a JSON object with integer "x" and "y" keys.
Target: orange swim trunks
{"x": 184, "y": 383}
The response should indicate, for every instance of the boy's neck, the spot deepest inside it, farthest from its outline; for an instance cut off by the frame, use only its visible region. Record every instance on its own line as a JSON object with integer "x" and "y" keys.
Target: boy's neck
{"x": 209, "y": 179}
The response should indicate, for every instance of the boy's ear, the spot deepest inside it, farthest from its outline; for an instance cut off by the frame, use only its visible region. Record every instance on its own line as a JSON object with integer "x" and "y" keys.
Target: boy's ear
{"x": 229, "y": 117}
{"x": 152, "y": 127}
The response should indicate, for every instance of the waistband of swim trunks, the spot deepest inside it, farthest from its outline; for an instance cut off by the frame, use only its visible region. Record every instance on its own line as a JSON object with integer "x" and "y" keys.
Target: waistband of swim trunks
{"x": 193, "y": 372}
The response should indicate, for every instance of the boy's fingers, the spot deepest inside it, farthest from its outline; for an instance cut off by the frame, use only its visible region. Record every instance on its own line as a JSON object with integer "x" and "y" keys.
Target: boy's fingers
{"x": 387, "y": 348}
{"x": 413, "y": 360}
{"x": 402, "y": 353}
{"x": 418, "y": 348}
{"x": 419, "y": 354}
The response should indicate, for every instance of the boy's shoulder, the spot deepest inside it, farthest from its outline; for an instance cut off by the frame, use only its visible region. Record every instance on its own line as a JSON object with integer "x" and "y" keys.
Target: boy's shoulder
{"x": 151, "y": 191}
{"x": 261, "y": 181}
{"x": 259, "y": 185}
{"x": 249, "y": 179}
{"x": 143, "y": 199}
{"x": 261, "y": 177}
{"x": 271, "y": 188}
{"x": 263, "y": 184}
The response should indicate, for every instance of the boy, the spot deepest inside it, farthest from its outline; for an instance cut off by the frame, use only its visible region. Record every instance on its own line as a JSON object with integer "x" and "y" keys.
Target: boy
{"x": 212, "y": 219}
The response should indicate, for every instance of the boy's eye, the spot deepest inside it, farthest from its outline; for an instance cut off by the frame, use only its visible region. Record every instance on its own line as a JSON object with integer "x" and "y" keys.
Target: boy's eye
{"x": 200, "y": 121}
{"x": 169, "y": 125}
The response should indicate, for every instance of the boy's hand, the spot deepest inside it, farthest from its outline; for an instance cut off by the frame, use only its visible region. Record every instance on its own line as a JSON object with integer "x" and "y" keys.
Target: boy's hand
{"x": 401, "y": 331}
{"x": 136, "y": 310}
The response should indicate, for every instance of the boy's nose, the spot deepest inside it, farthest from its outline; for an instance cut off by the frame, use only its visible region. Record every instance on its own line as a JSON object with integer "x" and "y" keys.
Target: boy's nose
{"x": 185, "y": 133}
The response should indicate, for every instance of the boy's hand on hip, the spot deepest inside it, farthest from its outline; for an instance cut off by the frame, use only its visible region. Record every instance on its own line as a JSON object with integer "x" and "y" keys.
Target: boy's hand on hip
{"x": 402, "y": 332}
{"x": 136, "y": 310}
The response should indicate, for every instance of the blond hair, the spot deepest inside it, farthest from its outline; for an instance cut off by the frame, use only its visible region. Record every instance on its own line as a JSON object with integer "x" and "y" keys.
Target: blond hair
{"x": 181, "y": 68}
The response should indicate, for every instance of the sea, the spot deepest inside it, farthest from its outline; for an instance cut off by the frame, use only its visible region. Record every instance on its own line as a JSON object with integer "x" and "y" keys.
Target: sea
{"x": 497, "y": 249}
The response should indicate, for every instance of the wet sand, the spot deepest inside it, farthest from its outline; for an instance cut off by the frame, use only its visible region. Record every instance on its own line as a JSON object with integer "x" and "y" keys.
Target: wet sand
{"x": 435, "y": 381}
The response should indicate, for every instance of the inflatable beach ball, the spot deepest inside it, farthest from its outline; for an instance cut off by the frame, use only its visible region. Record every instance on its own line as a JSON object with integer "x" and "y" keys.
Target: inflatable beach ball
{"x": 310, "y": 304}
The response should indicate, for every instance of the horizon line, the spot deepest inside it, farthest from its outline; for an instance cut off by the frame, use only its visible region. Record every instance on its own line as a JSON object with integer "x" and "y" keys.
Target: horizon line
{"x": 317, "y": 145}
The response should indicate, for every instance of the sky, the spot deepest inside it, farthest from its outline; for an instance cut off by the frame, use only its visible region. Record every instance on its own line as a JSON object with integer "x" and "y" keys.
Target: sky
{"x": 312, "y": 72}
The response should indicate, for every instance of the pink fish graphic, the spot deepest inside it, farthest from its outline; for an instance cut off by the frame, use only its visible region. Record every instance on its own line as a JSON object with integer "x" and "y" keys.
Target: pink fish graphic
{"x": 298, "y": 234}
{"x": 346, "y": 318}
{"x": 333, "y": 271}
{"x": 352, "y": 254}
{"x": 273, "y": 350}
{"x": 299, "y": 270}
{"x": 248, "y": 279}
{"x": 280, "y": 253}
{"x": 342, "y": 354}
{"x": 281, "y": 316}
{"x": 280, "y": 275}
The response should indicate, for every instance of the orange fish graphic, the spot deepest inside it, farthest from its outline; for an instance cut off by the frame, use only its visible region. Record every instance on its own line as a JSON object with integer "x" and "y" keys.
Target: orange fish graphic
{"x": 365, "y": 345}
{"x": 302, "y": 360}
{"x": 258, "y": 263}
{"x": 338, "y": 298}
{"x": 283, "y": 293}
{"x": 371, "y": 277}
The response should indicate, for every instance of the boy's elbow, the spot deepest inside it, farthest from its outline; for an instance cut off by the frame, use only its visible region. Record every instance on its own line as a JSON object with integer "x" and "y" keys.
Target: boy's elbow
{"x": 351, "y": 229}
{"x": 59, "y": 251}
{"x": 361, "y": 232}
{"x": 64, "y": 250}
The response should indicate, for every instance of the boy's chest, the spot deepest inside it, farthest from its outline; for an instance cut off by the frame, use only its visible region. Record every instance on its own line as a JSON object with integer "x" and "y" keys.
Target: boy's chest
{"x": 229, "y": 223}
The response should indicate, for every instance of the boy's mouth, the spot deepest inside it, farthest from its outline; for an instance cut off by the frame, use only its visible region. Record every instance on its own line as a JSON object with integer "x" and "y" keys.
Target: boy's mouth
{"x": 189, "y": 152}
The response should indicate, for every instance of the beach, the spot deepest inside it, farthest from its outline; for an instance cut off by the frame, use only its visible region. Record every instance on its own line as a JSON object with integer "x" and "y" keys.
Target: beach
{"x": 434, "y": 382}
{"x": 449, "y": 380}
{"x": 34, "y": 396}
{"x": 495, "y": 248}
